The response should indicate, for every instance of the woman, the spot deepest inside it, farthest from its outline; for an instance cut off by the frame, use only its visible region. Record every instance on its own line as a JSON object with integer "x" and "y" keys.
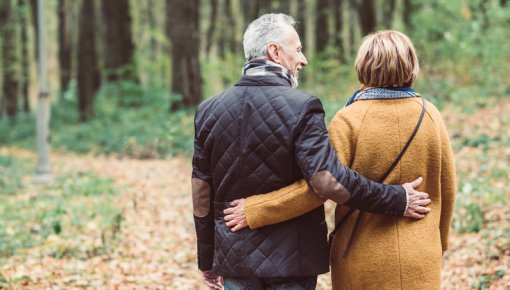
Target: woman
{"x": 376, "y": 251}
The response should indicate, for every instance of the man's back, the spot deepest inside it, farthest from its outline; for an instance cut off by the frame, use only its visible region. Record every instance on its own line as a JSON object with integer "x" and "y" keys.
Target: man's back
{"x": 248, "y": 136}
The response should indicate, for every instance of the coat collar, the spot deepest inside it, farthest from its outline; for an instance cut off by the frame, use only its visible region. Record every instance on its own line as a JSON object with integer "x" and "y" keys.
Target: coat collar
{"x": 262, "y": 81}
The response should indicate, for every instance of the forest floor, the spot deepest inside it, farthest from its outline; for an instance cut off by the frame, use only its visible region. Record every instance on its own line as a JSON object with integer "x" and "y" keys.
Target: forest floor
{"x": 156, "y": 245}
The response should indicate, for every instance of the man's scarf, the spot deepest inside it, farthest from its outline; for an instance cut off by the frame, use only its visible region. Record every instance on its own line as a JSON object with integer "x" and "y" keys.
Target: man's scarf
{"x": 261, "y": 67}
{"x": 382, "y": 93}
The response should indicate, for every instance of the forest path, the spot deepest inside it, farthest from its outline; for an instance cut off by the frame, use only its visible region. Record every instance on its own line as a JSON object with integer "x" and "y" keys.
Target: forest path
{"x": 156, "y": 248}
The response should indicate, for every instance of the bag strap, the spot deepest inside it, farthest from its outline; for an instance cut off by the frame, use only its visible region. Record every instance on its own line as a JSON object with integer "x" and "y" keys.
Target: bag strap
{"x": 383, "y": 177}
{"x": 424, "y": 108}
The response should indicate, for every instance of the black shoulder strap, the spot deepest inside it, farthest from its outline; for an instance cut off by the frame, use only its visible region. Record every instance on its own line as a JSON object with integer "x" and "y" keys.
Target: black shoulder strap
{"x": 424, "y": 109}
{"x": 383, "y": 177}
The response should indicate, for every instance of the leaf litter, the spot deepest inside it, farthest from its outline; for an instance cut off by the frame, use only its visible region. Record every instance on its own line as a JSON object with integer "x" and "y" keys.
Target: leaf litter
{"x": 156, "y": 247}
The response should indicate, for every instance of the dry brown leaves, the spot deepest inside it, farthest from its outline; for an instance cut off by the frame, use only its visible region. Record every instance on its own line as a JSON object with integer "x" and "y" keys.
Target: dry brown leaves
{"x": 157, "y": 247}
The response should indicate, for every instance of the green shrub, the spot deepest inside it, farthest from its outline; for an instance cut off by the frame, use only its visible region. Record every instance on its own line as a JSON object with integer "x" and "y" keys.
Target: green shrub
{"x": 77, "y": 215}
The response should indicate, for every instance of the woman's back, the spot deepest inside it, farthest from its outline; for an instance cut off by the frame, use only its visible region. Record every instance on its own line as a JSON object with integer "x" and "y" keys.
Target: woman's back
{"x": 389, "y": 252}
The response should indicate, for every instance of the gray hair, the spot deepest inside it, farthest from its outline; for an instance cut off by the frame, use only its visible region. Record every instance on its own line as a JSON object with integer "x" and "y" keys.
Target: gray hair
{"x": 263, "y": 30}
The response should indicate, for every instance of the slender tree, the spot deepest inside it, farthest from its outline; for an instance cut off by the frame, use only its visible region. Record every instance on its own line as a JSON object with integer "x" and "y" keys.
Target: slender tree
{"x": 227, "y": 41}
{"x": 35, "y": 22}
{"x": 119, "y": 47}
{"x": 352, "y": 36}
{"x": 264, "y": 6}
{"x": 9, "y": 58}
{"x": 284, "y": 6}
{"x": 367, "y": 16}
{"x": 321, "y": 26}
{"x": 88, "y": 72}
{"x": 301, "y": 22}
{"x": 213, "y": 18}
{"x": 408, "y": 9}
{"x": 64, "y": 41}
{"x": 183, "y": 31}
{"x": 43, "y": 169}
{"x": 153, "y": 26}
{"x": 388, "y": 10}
{"x": 25, "y": 57}
{"x": 231, "y": 25}
{"x": 337, "y": 6}
{"x": 251, "y": 10}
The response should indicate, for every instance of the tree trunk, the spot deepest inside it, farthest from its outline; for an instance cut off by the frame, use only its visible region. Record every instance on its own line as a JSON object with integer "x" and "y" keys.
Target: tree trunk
{"x": 284, "y": 6}
{"x": 25, "y": 57}
{"x": 352, "y": 36}
{"x": 388, "y": 11}
{"x": 88, "y": 72}
{"x": 502, "y": 3}
{"x": 337, "y": 6}
{"x": 183, "y": 32}
{"x": 321, "y": 26}
{"x": 301, "y": 22}
{"x": 251, "y": 11}
{"x": 367, "y": 17}
{"x": 264, "y": 6}
{"x": 9, "y": 58}
{"x": 34, "y": 14}
{"x": 231, "y": 25}
{"x": 153, "y": 26}
{"x": 64, "y": 41}
{"x": 212, "y": 26}
{"x": 409, "y": 9}
{"x": 119, "y": 47}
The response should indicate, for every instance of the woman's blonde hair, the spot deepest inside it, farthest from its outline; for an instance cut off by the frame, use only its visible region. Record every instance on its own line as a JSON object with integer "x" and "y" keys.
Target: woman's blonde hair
{"x": 387, "y": 58}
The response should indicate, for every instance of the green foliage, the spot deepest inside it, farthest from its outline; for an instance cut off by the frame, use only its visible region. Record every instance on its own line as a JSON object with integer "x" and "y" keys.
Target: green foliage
{"x": 130, "y": 119}
{"x": 10, "y": 183}
{"x": 220, "y": 73}
{"x": 462, "y": 50}
{"x": 70, "y": 217}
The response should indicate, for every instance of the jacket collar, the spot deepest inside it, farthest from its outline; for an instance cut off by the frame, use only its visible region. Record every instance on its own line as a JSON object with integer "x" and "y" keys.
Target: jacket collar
{"x": 262, "y": 81}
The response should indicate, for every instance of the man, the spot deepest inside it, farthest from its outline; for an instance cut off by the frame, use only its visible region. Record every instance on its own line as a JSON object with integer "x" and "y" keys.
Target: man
{"x": 261, "y": 135}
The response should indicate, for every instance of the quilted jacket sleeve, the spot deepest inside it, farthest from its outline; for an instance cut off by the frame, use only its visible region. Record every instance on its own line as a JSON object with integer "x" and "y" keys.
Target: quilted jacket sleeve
{"x": 202, "y": 196}
{"x": 318, "y": 162}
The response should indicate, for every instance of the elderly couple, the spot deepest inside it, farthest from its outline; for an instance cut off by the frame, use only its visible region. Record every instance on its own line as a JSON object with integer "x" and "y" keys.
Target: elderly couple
{"x": 264, "y": 164}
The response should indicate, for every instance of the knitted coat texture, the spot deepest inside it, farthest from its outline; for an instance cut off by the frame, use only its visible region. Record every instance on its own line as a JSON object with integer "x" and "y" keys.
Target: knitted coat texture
{"x": 387, "y": 252}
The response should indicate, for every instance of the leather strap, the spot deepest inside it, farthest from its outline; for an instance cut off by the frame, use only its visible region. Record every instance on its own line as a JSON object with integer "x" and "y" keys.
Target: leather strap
{"x": 383, "y": 177}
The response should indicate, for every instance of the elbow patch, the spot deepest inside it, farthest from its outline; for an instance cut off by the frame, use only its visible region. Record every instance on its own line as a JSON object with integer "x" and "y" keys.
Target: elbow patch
{"x": 326, "y": 185}
{"x": 201, "y": 193}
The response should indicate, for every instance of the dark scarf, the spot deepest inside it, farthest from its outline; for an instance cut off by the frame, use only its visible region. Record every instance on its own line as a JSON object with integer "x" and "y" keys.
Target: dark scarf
{"x": 382, "y": 93}
{"x": 261, "y": 67}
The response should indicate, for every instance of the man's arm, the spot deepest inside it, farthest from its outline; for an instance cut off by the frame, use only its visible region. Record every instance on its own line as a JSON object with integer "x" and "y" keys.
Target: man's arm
{"x": 202, "y": 196}
{"x": 299, "y": 198}
{"x": 329, "y": 178}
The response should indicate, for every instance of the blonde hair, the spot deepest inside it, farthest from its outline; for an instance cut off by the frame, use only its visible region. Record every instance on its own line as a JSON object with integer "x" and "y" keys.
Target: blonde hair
{"x": 387, "y": 58}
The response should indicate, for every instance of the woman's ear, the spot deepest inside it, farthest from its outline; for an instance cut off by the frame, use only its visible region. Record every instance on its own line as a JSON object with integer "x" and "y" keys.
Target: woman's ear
{"x": 273, "y": 53}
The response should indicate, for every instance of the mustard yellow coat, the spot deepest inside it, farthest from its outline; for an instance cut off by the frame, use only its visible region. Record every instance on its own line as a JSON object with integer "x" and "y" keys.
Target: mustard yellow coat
{"x": 387, "y": 252}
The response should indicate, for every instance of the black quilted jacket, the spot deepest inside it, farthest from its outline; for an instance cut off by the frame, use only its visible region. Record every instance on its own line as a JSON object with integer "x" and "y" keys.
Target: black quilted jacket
{"x": 255, "y": 137}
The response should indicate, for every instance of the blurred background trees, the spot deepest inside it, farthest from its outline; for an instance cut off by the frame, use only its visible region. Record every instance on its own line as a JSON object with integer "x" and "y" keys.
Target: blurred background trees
{"x": 115, "y": 59}
{"x": 125, "y": 77}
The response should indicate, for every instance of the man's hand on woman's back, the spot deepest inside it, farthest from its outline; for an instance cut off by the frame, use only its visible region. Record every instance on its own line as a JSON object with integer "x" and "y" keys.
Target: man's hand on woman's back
{"x": 417, "y": 200}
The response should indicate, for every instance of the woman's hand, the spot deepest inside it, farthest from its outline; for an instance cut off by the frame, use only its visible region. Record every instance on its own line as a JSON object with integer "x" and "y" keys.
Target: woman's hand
{"x": 234, "y": 216}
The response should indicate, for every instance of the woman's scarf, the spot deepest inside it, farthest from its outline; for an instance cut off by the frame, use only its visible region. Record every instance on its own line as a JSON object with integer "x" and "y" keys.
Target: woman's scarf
{"x": 382, "y": 93}
{"x": 262, "y": 67}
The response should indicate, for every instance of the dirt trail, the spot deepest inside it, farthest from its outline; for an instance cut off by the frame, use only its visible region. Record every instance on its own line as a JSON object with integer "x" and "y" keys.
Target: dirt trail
{"x": 156, "y": 248}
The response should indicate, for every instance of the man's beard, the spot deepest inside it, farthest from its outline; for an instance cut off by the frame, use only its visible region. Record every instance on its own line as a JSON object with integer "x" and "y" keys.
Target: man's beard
{"x": 294, "y": 81}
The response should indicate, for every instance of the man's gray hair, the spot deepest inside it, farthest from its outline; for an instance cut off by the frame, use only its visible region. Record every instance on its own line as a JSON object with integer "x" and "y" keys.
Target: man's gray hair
{"x": 264, "y": 30}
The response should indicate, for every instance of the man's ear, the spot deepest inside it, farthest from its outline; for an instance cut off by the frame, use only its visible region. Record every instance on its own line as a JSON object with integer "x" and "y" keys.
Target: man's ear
{"x": 273, "y": 53}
